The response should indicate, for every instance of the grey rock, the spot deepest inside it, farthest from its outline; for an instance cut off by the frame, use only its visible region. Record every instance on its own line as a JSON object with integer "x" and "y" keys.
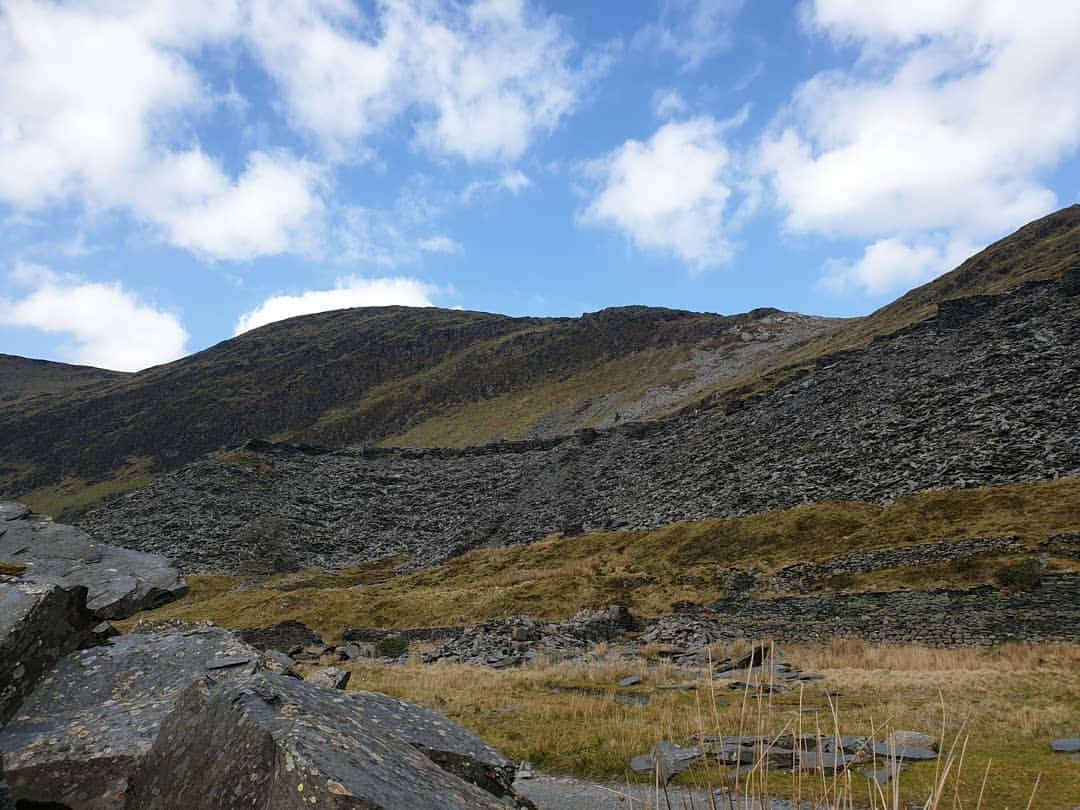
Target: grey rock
{"x": 229, "y": 661}
{"x": 913, "y": 739}
{"x": 1066, "y": 745}
{"x": 350, "y": 652}
{"x": 667, "y": 760}
{"x": 13, "y": 510}
{"x": 278, "y": 663}
{"x": 632, "y": 680}
{"x": 903, "y": 752}
{"x": 311, "y": 747}
{"x": 79, "y": 737}
{"x": 119, "y": 581}
{"x": 329, "y": 677}
{"x": 286, "y": 636}
{"x": 39, "y": 624}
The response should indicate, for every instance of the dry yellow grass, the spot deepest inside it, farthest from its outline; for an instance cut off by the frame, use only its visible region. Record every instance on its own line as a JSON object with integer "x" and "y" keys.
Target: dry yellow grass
{"x": 1007, "y": 703}
{"x": 555, "y": 578}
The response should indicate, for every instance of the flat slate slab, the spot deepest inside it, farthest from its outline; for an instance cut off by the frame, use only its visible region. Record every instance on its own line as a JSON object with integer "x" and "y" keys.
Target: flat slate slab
{"x": 13, "y": 510}
{"x": 82, "y": 733}
{"x": 1068, "y": 745}
{"x": 270, "y": 741}
{"x": 39, "y": 625}
{"x": 119, "y": 581}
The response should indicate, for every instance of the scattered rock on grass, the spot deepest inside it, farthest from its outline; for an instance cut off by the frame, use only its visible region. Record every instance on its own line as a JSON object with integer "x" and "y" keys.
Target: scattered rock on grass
{"x": 329, "y": 677}
{"x": 1068, "y": 745}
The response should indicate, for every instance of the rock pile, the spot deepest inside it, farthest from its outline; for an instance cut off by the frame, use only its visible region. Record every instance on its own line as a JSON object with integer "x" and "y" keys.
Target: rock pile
{"x": 987, "y": 396}
{"x": 512, "y": 642}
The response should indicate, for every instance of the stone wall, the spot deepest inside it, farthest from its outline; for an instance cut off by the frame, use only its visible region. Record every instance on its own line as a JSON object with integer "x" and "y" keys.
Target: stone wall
{"x": 803, "y": 576}
{"x": 947, "y": 618}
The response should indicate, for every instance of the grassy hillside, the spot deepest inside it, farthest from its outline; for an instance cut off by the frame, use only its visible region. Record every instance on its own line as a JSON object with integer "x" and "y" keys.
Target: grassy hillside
{"x": 25, "y": 382}
{"x": 557, "y": 577}
{"x": 344, "y": 377}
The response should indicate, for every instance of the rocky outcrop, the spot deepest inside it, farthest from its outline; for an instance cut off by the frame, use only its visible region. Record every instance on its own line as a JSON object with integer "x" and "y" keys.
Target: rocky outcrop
{"x": 192, "y": 720}
{"x": 273, "y": 742}
{"x": 81, "y": 735}
{"x": 991, "y": 397}
{"x": 39, "y": 624}
{"x": 117, "y": 581}
{"x": 288, "y": 637}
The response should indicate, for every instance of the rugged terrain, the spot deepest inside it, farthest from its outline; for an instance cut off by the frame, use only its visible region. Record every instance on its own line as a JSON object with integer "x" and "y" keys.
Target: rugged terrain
{"x": 359, "y": 376}
{"x": 986, "y": 392}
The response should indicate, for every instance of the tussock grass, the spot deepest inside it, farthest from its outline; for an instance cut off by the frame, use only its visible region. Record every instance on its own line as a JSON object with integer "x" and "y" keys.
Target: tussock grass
{"x": 1001, "y": 707}
{"x": 556, "y": 577}
{"x": 75, "y": 492}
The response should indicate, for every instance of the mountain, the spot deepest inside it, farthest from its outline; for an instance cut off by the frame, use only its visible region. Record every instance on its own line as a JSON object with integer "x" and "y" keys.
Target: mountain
{"x": 362, "y": 375}
{"x": 986, "y": 392}
{"x": 399, "y": 377}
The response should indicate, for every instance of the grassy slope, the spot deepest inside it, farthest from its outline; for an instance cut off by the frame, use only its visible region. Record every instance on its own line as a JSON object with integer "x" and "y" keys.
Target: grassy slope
{"x": 557, "y": 577}
{"x": 25, "y": 382}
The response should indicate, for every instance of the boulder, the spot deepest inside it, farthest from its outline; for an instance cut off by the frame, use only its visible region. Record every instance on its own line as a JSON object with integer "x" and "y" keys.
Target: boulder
{"x": 288, "y": 637}
{"x": 329, "y": 677}
{"x": 119, "y": 581}
{"x": 274, "y": 742}
{"x": 13, "y": 510}
{"x": 81, "y": 735}
{"x": 1067, "y": 745}
{"x": 39, "y": 624}
{"x": 666, "y": 760}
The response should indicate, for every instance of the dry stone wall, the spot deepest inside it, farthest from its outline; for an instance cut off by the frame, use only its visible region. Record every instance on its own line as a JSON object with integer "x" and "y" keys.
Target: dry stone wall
{"x": 947, "y": 618}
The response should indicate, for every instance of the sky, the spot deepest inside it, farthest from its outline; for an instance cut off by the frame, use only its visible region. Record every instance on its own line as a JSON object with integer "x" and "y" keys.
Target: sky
{"x": 173, "y": 174}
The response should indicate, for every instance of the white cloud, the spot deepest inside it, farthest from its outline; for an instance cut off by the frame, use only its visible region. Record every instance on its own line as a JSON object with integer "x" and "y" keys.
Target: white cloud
{"x": 693, "y": 31}
{"x": 891, "y": 265}
{"x": 484, "y": 80}
{"x": 109, "y": 327}
{"x": 101, "y": 100}
{"x": 352, "y": 291}
{"x": 668, "y": 103}
{"x": 945, "y": 124}
{"x": 440, "y": 244}
{"x": 513, "y": 181}
{"x": 671, "y": 192}
{"x": 92, "y": 94}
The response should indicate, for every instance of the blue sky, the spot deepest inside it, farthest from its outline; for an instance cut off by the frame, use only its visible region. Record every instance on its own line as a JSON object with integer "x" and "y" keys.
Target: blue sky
{"x": 171, "y": 174}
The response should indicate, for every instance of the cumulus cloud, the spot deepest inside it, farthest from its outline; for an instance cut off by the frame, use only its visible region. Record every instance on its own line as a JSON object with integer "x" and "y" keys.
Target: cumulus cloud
{"x": 351, "y": 291}
{"x": 944, "y": 125}
{"x": 109, "y": 84}
{"x": 890, "y": 265}
{"x": 107, "y": 325}
{"x": 483, "y": 79}
{"x": 670, "y": 193}
{"x": 100, "y": 100}
{"x": 693, "y": 31}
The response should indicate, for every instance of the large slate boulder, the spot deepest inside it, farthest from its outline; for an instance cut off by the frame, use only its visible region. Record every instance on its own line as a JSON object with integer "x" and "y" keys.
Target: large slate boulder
{"x": 39, "y": 624}
{"x": 82, "y": 733}
{"x": 119, "y": 581}
{"x": 270, "y": 742}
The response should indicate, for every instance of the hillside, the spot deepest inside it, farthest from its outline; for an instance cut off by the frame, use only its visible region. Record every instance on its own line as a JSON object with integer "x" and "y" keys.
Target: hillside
{"x": 985, "y": 393}
{"x": 357, "y": 376}
{"x": 398, "y": 377}
{"x": 25, "y": 382}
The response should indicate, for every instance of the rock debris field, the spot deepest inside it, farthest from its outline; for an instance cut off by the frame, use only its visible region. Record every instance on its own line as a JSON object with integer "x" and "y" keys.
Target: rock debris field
{"x": 987, "y": 392}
